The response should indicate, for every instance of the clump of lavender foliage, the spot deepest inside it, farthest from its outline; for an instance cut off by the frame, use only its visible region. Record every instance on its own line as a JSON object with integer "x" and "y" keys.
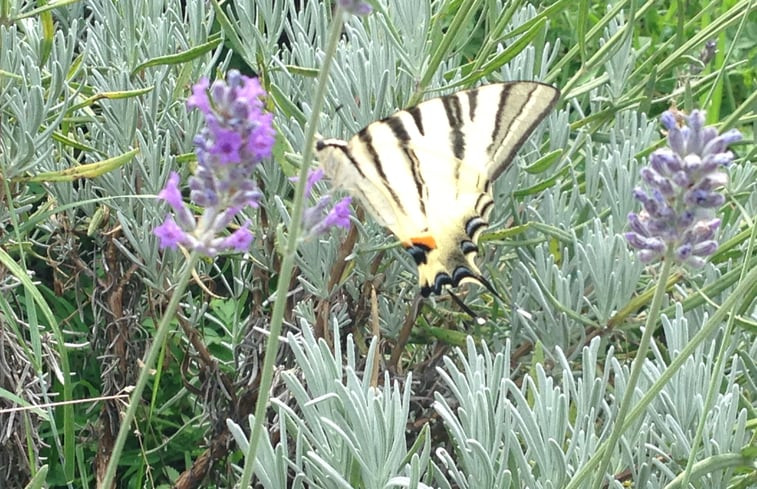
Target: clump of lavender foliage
{"x": 678, "y": 210}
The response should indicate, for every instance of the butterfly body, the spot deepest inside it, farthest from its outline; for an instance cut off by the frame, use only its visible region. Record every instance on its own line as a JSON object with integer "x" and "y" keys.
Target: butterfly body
{"x": 425, "y": 172}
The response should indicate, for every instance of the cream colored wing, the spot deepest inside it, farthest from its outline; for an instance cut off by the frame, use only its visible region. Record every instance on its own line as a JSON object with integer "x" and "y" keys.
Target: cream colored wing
{"x": 425, "y": 172}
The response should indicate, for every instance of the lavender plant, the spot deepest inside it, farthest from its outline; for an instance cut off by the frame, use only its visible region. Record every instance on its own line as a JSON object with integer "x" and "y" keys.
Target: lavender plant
{"x": 675, "y": 225}
{"x": 237, "y": 135}
{"x": 289, "y": 255}
{"x": 685, "y": 179}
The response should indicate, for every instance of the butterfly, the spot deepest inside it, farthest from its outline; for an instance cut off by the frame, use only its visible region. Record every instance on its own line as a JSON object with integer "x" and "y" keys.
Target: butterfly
{"x": 425, "y": 173}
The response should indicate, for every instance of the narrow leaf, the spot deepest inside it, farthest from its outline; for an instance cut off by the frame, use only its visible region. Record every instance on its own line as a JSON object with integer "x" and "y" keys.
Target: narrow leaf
{"x": 90, "y": 170}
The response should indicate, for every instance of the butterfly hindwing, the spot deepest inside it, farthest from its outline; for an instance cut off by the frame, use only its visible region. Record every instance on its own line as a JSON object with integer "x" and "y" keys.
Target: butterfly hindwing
{"x": 425, "y": 172}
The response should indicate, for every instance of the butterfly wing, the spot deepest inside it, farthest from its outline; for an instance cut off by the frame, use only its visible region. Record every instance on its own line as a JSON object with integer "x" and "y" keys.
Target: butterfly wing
{"x": 425, "y": 172}
{"x": 511, "y": 111}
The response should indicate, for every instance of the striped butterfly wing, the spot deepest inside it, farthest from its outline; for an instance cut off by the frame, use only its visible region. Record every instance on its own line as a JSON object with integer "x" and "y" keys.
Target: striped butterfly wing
{"x": 425, "y": 172}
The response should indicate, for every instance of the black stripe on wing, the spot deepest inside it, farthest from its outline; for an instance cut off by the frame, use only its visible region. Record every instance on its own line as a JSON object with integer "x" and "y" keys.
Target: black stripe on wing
{"x": 472, "y": 103}
{"x": 364, "y": 136}
{"x": 398, "y": 129}
{"x": 511, "y": 111}
{"x": 362, "y": 185}
{"x": 454, "y": 113}
{"x": 476, "y": 224}
{"x": 320, "y": 145}
{"x": 506, "y": 103}
{"x": 415, "y": 112}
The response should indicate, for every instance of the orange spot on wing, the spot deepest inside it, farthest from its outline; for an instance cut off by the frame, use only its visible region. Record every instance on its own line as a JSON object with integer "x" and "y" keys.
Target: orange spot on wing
{"x": 426, "y": 240}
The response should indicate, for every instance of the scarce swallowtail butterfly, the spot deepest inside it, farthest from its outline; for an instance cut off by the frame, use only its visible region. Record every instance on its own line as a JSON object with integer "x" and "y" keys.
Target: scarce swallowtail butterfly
{"x": 425, "y": 172}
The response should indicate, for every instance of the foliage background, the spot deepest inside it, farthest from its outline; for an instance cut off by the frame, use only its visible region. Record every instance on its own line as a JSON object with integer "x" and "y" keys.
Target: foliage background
{"x": 104, "y": 83}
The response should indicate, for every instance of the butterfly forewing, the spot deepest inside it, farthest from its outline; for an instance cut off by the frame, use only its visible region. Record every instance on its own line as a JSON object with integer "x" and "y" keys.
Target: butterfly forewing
{"x": 424, "y": 172}
{"x": 520, "y": 108}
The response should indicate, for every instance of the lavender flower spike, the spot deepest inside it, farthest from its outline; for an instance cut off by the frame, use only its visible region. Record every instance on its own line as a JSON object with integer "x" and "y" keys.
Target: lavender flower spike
{"x": 237, "y": 135}
{"x": 318, "y": 219}
{"x": 356, "y": 7}
{"x": 683, "y": 179}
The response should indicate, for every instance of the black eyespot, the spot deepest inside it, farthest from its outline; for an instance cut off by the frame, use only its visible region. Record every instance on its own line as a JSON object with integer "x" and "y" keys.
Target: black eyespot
{"x": 459, "y": 274}
{"x": 440, "y": 281}
{"x": 468, "y": 246}
{"x": 419, "y": 253}
{"x": 473, "y": 225}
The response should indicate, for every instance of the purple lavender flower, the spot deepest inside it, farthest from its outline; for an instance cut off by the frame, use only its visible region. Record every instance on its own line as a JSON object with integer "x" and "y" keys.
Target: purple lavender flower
{"x": 683, "y": 178}
{"x": 237, "y": 135}
{"x": 313, "y": 177}
{"x": 356, "y": 7}
{"x": 170, "y": 234}
{"x": 318, "y": 219}
{"x": 339, "y": 215}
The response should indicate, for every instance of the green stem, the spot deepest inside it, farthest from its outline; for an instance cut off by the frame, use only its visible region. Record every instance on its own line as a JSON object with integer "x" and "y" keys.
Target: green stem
{"x": 287, "y": 264}
{"x": 638, "y": 363}
{"x": 712, "y": 464}
{"x": 145, "y": 373}
{"x": 708, "y": 329}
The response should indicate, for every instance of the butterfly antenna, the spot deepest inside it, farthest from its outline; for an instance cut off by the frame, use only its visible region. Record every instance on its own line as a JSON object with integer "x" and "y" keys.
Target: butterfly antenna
{"x": 489, "y": 287}
{"x": 462, "y": 305}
